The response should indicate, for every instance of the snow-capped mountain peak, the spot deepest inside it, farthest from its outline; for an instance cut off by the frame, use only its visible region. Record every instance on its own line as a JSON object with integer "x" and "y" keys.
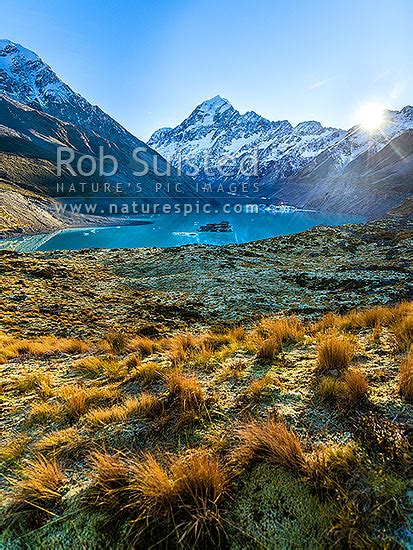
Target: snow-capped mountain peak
{"x": 10, "y": 50}
{"x": 26, "y": 78}
{"x": 214, "y": 104}
{"x": 216, "y": 129}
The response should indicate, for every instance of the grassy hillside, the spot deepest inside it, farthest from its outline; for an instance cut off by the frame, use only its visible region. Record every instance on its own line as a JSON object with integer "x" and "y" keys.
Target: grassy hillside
{"x": 281, "y": 434}
{"x": 259, "y": 397}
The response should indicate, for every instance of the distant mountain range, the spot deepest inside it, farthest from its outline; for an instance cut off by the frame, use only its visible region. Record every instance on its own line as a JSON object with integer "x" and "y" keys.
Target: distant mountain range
{"x": 308, "y": 164}
{"x": 215, "y": 129}
{"x": 38, "y": 112}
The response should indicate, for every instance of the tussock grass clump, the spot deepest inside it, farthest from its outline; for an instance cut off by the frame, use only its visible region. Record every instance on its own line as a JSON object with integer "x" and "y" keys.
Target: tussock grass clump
{"x": 35, "y": 380}
{"x": 403, "y": 333}
{"x": 152, "y": 487}
{"x": 37, "y": 491}
{"x": 325, "y": 324}
{"x": 179, "y": 346}
{"x": 78, "y": 399}
{"x": 13, "y": 448}
{"x": 285, "y": 330}
{"x": 365, "y": 318}
{"x": 334, "y": 353}
{"x": 237, "y": 334}
{"x": 41, "y": 481}
{"x": 348, "y": 391}
{"x": 371, "y": 318}
{"x": 73, "y": 346}
{"x": 117, "y": 341}
{"x": 186, "y": 390}
{"x": 46, "y": 412}
{"x": 109, "y": 479}
{"x": 146, "y": 405}
{"x": 64, "y": 443}
{"x": 273, "y": 441}
{"x": 406, "y": 376}
{"x": 131, "y": 361}
{"x": 149, "y": 372}
{"x": 356, "y": 386}
{"x": 330, "y": 389}
{"x": 267, "y": 348}
{"x": 179, "y": 497}
{"x": 143, "y": 345}
{"x": 47, "y": 345}
{"x": 102, "y": 366}
{"x": 102, "y": 416}
{"x": 203, "y": 353}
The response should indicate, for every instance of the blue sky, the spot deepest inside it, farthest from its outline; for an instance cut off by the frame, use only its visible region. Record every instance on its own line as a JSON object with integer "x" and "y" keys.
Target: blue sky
{"x": 148, "y": 64}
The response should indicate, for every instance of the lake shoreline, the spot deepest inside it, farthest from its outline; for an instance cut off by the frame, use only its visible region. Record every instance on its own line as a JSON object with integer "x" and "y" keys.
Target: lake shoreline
{"x": 165, "y": 231}
{"x": 88, "y": 223}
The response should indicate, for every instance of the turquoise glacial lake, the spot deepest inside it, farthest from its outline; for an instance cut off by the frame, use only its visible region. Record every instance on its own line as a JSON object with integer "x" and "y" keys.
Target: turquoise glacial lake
{"x": 175, "y": 230}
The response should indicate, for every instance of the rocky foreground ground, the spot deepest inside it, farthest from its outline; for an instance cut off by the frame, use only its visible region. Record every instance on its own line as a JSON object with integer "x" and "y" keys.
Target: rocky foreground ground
{"x": 323, "y": 269}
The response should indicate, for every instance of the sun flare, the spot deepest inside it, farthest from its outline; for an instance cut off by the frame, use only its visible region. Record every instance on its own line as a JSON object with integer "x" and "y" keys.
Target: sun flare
{"x": 370, "y": 116}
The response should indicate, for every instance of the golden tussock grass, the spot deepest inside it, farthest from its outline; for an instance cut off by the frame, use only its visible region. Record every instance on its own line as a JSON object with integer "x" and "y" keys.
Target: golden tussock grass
{"x": 237, "y": 334}
{"x": 149, "y": 372}
{"x": 334, "y": 353}
{"x": 403, "y": 333}
{"x": 147, "y": 405}
{"x": 116, "y": 341}
{"x": 62, "y": 443}
{"x": 131, "y": 361}
{"x": 40, "y": 483}
{"x": 186, "y": 390}
{"x": 47, "y": 345}
{"x": 372, "y": 318}
{"x": 273, "y": 441}
{"x": 102, "y": 366}
{"x": 348, "y": 391}
{"x": 109, "y": 478}
{"x": 103, "y": 416}
{"x": 406, "y": 376}
{"x": 46, "y": 412}
{"x": 284, "y": 330}
{"x": 356, "y": 386}
{"x": 330, "y": 388}
{"x": 201, "y": 355}
{"x": 178, "y": 347}
{"x": 37, "y": 380}
{"x": 151, "y": 486}
{"x": 267, "y": 348}
{"x": 14, "y": 447}
{"x": 324, "y": 324}
{"x": 78, "y": 399}
{"x": 185, "y": 491}
{"x": 365, "y": 318}
{"x": 199, "y": 478}
{"x": 143, "y": 345}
